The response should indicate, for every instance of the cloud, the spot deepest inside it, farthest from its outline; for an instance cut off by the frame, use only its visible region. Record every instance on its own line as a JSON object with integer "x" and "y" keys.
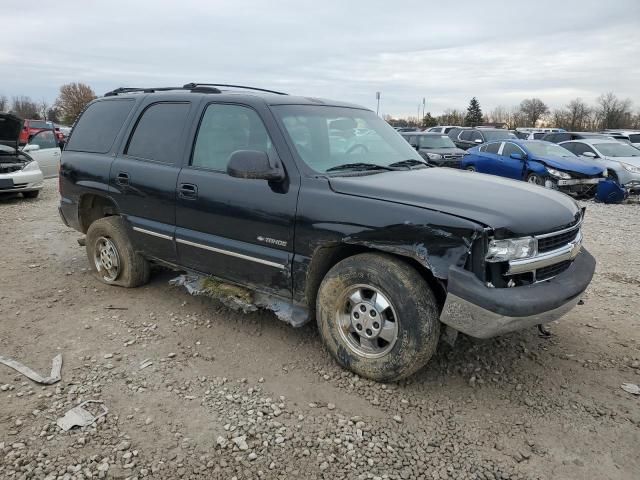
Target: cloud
{"x": 500, "y": 52}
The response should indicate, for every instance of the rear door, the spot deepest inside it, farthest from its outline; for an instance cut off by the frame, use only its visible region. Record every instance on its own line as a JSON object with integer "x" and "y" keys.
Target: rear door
{"x": 237, "y": 229}
{"x": 48, "y": 153}
{"x": 488, "y": 158}
{"x": 143, "y": 176}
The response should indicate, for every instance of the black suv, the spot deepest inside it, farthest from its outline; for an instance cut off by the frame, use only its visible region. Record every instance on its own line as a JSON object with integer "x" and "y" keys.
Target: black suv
{"x": 323, "y": 207}
{"x": 466, "y": 138}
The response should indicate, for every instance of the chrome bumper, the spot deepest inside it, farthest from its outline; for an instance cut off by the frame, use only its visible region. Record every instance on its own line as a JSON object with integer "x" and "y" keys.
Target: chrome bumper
{"x": 567, "y": 252}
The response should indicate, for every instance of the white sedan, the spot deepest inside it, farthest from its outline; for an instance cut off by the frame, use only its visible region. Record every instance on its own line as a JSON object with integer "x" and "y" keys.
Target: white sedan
{"x": 43, "y": 148}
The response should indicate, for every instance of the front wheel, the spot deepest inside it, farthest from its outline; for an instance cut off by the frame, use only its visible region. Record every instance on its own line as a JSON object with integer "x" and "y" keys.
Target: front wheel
{"x": 111, "y": 254}
{"x": 378, "y": 317}
{"x": 470, "y": 168}
{"x": 535, "y": 179}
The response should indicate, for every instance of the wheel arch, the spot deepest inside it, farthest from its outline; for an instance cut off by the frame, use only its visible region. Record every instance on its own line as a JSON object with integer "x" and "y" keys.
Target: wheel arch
{"x": 92, "y": 206}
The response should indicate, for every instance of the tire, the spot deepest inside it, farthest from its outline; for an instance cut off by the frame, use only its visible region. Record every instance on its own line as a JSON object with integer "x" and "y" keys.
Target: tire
{"x": 535, "y": 179}
{"x": 613, "y": 176}
{"x": 108, "y": 244}
{"x": 31, "y": 194}
{"x": 470, "y": 168}
{"x": 410, "y": 322}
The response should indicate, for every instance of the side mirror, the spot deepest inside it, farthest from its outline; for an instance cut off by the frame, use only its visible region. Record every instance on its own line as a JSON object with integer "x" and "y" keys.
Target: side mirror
{"x": 253, "y": 164}
{"x": 516, "y": 156}
{"x": 589, "y": 155}
{"x": 478, "y": 141}
{"x": 30, "y": 147}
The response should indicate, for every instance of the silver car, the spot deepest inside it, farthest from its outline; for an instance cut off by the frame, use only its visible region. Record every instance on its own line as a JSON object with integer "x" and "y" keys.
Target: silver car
{"x": 19, "y": 172}
{"x": 621, "y": 160}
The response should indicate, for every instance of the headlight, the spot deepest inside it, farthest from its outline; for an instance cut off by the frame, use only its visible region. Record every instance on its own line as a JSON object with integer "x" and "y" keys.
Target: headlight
{"x": 31, "y": 166}
{"x": 434, "y": 156}
{"x": 511, "y": 249}
{"x": 630, "y": 168}
{"x": 557, "y": 173}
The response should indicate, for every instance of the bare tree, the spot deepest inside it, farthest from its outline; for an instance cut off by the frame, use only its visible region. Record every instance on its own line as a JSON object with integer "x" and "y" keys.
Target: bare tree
{"x": 499, "y": 114}
{"x": 24, "y": 107}
{"x": 612, "y": 111}
{"x": 44, "y": 108}
{"x": 4, "y": 103}
{"x": 533, "y": 109}
{"x": 577, "y": 115}
{"x": 72, "y": 99}
{"x": 451, "y": 117}
{"x": 515, "y": 118}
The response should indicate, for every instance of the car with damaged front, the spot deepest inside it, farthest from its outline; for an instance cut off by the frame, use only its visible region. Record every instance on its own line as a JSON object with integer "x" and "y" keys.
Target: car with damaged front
{"x": 537, "y": 162}
{"x": 277, "y": 195}
{"x": 19, "y": 172}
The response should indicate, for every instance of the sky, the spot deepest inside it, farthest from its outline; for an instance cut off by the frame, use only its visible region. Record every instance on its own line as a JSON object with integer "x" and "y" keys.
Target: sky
{"x": 499, "y": 51}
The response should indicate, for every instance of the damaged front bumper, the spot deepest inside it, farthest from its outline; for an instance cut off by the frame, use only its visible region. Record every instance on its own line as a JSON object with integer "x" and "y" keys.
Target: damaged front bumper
{"x": 481, "y": 312}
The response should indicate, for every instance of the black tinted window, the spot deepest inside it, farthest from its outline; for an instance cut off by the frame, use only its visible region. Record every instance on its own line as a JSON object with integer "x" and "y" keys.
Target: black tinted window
{"x": 493, "y": 147}
{"x": 44, "y": 139}
{"x": 476, "y": 136}
{"x": 581, "y": 148}
{"x": 466, "y": 135}
{"x": 225, "y": 129}
{"x": 99, "y": 125}
{"x": 158, "y": 132}
{"x": 510, "y": 148}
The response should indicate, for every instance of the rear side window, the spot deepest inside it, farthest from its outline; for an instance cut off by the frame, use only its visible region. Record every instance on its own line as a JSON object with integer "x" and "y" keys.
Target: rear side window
{"x": 493, "y": 147}
{"x": 466, "y": 135}
{"x": 99, "y": 125}
{"x": 158, "y": 131}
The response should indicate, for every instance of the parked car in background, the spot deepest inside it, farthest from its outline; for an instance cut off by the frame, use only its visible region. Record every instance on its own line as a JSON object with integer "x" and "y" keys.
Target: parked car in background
{"x": 470, "y": 137}
{"x": 381, "y": 249}
{"x": 621, "y": 160}
{"x": 442, "y": 128}
{"x": 43, "y": 148}
{"x": 31, "y": 127}
{"x": 407, "y": 129}
{"x": 19, "y": 173}
{"x": 537, "y": 162}
{"x": 630, "y": 136}
{"x": 557, "y": 137}
{"x": 436, "y": 148}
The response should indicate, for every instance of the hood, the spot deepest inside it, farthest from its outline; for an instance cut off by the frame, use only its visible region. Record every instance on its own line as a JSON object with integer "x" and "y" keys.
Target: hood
{"x": 635, "y": 161}
{"x": 569, "y": 164}
{"x": 512, "y": 208}
{"x": 444, "y": 151}
{"x": 10, "y": 128}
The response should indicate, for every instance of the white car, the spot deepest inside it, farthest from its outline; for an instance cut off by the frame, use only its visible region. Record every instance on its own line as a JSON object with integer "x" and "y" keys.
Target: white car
{"x": 18, "y": 171}
{"x": 441, "y": 128}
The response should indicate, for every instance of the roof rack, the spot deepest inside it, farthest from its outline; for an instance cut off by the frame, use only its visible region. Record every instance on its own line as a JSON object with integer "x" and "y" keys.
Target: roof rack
{"x": 194, "y": 88}
{"x": 190, "y": 86}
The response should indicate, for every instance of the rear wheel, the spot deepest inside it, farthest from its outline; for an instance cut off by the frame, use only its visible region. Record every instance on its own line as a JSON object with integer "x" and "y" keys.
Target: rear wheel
{"x": 31, "y": 194}
{"x": 378, "y": 317}
{"x": 111, "y": 254}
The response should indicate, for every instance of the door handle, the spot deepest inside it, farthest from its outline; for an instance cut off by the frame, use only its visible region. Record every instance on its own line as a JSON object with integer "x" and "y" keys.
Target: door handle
{"x": 122, "y": 179}
{"x": 188, "y": 191}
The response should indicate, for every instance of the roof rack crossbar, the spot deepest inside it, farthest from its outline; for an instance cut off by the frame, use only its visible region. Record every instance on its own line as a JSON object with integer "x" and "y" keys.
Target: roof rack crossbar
{"x": 194, "y": 85}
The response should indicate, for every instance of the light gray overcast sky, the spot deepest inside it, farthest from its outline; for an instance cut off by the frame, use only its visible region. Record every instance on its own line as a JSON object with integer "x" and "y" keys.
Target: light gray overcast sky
{"x": 499, "y": 51}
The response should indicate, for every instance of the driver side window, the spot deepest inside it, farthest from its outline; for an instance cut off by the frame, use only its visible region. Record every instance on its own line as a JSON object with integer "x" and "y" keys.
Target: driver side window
{"x": 44, "y": 139}
{"x": 510, "y": 148}
{"x": 225, "y": 129}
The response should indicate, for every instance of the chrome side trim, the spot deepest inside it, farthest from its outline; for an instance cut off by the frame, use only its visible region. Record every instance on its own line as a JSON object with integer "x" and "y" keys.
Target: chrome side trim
{"x": 153, "y": 234}
{"x": 231, "y": 254}
{"x": 567, "y": 252}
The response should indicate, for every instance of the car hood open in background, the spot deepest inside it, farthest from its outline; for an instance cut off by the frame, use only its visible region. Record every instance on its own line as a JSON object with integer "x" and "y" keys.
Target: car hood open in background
{"x": 570, "y": 164}
{"x": 10, "y": 128}
{"x": 511, "y": 208}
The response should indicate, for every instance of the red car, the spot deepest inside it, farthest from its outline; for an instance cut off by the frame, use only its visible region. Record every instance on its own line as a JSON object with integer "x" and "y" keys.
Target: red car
{"x": 31, "y": 127}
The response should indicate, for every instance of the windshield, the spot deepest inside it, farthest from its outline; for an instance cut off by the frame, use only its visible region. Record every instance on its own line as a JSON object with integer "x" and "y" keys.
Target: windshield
{"x": 493, "y": 135}
{"x": 546, "y": 149}
{"x": 39, "y": 124}
{"x": 617, "y": 149}
{"x": 326, "y": 137}
{"x": 436, "y": 141}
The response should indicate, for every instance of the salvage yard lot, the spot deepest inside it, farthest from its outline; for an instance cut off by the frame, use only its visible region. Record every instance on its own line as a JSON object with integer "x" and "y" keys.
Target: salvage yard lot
{"x": 240, "y": 395}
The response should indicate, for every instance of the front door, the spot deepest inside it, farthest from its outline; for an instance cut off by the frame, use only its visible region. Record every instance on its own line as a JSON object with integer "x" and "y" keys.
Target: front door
{"x": 237, "y": 229}
{"x": 47, "y": 153}
{"x": 511, "y": 167}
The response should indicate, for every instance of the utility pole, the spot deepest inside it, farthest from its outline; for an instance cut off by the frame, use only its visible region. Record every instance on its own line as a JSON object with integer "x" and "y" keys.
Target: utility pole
{"x": 424, "y": 106}
{"x": 378, "y": 100}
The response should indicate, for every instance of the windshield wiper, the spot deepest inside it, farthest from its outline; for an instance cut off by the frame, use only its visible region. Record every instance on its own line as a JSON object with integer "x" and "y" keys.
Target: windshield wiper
{"x": 360, "y": 166}
{"x": 409, "y": 163}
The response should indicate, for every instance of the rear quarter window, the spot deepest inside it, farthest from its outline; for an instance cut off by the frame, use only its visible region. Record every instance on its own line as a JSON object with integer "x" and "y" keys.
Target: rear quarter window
{"x": 98, "y": 126}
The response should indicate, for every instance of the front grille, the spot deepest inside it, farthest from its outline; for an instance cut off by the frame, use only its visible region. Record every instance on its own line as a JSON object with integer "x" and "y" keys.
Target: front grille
{"x": 552, "y": 270}
{"x": 554, "y": 242}
{"x": 451, "y": 156}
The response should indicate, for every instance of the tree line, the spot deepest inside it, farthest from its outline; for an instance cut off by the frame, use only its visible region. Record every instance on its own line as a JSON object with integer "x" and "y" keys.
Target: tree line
{"x": 609, "y": 112}
{"x": 71, "y": 100}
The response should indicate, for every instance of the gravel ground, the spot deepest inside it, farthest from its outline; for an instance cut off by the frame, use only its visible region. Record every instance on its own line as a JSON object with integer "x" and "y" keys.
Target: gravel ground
{"x": 241, "y": 396}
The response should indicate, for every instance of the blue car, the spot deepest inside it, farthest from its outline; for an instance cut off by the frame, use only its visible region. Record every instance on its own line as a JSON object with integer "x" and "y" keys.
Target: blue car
{"x": 537, "y": 162}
